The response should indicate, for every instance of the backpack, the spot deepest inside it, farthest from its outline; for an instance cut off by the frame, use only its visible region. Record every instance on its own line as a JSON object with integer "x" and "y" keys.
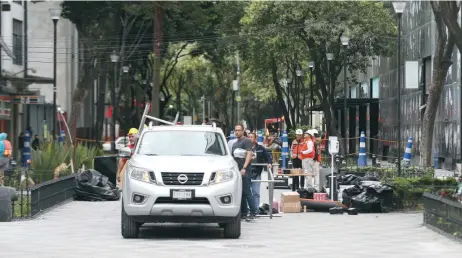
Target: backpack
{"x": 8, "y": 151}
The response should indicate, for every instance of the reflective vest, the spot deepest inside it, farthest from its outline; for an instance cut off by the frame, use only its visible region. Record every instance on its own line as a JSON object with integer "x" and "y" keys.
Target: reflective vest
{"x": 297, "y": 149}
{"x": 305, "y": 148}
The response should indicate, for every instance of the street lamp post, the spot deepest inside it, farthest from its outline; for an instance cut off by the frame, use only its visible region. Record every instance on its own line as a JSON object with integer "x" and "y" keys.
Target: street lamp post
{"x": 114, "y": 59}
{"x": 311, "y": 66}
{"x": 399, "y": 9}
{"x": 345, "y": 40}
{"x": 125, "y": 69}
{"x": 55, "y": 14}
{"x": 329, "y": 57}
{"x": 297, "y": 97}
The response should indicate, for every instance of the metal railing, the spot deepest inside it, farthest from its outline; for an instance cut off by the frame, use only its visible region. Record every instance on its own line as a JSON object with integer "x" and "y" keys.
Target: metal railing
{"x": 51, "y": 193}
{"x": 270, "y": 182}
{"x": 443, "y": 214}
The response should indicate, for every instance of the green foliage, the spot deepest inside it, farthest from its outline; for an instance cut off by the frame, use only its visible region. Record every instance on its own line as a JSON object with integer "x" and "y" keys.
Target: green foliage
{"x": 286, "y": 33}
{"x": 52, "y": 155}
{"x": 408, "y": 191}
{"x": 385, "y": 173}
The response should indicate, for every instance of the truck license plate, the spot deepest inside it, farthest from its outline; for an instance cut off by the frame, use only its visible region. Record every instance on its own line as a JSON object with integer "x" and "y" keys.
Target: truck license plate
{"x": 181, "y": 194}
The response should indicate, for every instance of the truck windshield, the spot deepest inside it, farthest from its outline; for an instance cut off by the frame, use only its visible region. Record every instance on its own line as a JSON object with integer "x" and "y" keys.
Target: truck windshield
{"x": 182, "y": 143}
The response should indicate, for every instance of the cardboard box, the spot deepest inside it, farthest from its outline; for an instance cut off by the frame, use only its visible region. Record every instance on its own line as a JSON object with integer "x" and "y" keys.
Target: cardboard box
{"x": 290, "y": 197}
{"x": 296, "y": 171}
{"x": 291, "y": 207}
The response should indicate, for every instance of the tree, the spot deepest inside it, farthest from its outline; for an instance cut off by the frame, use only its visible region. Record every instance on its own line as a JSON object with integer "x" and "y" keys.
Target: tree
{"x": 441, "y": 63}
{"x": 279, "y": 30}
{"x": 103, "y": 27}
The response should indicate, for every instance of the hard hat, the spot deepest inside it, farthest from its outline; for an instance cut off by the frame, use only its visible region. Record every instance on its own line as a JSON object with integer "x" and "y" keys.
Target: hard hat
{"x": 314, "y": 131}
{"x": 310, "y": 132}
{"x": 299, "y": 132}
{"x": 132, "y": 131}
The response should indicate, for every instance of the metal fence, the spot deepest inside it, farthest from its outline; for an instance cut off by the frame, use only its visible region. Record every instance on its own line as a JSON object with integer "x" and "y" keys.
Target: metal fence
{"x": 442, "y": 214}
{"x": 37, "y": 191}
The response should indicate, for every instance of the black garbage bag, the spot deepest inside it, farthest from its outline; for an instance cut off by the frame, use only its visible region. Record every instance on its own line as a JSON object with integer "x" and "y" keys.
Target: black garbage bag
{"x": 264, "y": 209}
{"x": 374, "y": 198}
{"x": 307, "y": 193}
{"x": 93, "y": 186}
{"x": 350, "y": 180}
{"x": 349, "y": 193}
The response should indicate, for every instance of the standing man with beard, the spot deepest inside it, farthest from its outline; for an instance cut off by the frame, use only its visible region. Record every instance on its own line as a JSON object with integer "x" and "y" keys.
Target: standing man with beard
{"x": 241, "y": 150}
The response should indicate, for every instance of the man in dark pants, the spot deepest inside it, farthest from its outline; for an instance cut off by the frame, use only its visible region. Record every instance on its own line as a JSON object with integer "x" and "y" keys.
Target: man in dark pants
{"x": 296, "y": 156}
{"x": 242, "y": 153}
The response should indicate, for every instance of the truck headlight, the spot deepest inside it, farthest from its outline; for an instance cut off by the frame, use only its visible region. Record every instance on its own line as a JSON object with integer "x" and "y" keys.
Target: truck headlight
{"x": 142, "y": 175}
{"x": 222, "y": 176}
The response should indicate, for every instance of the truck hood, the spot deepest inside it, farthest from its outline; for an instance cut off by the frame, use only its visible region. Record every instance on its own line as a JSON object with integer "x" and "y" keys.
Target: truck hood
{"x": 183, "y": 163}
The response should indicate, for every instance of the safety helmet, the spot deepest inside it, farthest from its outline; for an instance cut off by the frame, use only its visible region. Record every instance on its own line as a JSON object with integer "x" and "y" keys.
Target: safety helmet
{"x": 314, "y": 131}
{"x": 132, "y": 131}
{"x": 299, "y": 132}
{"x": 310, "y": 132}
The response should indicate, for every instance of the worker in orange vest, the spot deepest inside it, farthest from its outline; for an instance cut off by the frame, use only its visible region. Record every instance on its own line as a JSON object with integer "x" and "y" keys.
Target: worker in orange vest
{"x": 296, "y": 156}
{"x": 308, "y": 152}
{"x": 132, "y": 134}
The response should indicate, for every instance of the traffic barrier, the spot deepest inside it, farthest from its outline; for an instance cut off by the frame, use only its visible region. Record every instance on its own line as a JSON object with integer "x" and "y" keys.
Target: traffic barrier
{"x": 61, "y": 137}
{"x": 231, "y": 135}
{"x": 407, "y": 152}
{"x": 26, "y": 149}
{"x": 260, "y": 137}
{"x": 285, "y": 149}
{"x": 362, "y": 158}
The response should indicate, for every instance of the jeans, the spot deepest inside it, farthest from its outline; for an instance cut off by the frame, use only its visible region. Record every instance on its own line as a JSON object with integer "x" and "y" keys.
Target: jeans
{"x": 256, "y": 192}
{"x": 247, "y": 198}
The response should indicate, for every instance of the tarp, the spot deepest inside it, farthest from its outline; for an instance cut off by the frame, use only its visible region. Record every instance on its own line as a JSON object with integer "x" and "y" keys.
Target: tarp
{"x": 93, "y": 186}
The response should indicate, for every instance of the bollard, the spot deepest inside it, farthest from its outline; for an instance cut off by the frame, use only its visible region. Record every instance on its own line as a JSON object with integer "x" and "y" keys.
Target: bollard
{"x": 61, "y": 137}
{"x": 260, "y": 137}
{"x": 285, "y": 149}
{"x": 6, "y": 208}
{"x": 407, "y": 152}
{"x": 26, "y": 149}
{"x": 362, "y": 158}
{"x": 333, "y": 191}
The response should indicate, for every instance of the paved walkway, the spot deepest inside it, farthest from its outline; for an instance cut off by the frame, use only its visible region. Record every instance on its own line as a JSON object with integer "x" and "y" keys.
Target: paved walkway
{"x": 90, "y": 229}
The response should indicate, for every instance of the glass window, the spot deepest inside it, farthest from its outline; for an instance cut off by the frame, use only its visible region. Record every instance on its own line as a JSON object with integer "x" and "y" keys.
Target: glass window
{"x": 17, "y": 42}
{"x": 375, "y": 88}
{"x": 183, "y": 143}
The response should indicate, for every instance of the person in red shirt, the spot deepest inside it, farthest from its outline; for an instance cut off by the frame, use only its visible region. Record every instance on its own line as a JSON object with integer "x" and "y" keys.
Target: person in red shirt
{"x": 132, "y": 133}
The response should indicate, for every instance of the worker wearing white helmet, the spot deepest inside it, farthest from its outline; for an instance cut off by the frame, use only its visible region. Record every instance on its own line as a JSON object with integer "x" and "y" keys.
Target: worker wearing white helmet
{"x": 296, "y": 156}
{"x": 308, "y": 152}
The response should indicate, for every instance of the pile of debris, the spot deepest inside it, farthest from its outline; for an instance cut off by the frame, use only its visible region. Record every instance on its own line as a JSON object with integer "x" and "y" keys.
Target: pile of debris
{"x": 366, "y": 194}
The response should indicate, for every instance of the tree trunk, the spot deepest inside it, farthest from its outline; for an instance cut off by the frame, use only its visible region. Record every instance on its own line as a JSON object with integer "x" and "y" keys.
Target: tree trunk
{"x": 277, "y": 87}
{"x": 100, "y": 104}
{"x": 441, "y": 63}
{"x": 158, "y": 38}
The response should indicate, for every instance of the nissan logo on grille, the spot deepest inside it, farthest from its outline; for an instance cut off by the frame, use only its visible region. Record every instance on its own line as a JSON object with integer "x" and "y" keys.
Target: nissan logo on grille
{"x": 182, "y": 179}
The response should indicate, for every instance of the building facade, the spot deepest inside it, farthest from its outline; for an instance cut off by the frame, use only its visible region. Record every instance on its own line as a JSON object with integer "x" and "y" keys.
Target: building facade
{"x": 380, "y": 82}
{"x": 27, "y": 30}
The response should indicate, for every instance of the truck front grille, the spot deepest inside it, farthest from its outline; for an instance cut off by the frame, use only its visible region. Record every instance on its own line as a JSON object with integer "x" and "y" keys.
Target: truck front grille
{"x": 171, "y": 178}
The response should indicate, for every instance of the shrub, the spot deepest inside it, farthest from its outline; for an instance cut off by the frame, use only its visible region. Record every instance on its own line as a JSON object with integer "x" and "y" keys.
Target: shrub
{"x": 52, "y": 155}
{"x": 408, "y": 192}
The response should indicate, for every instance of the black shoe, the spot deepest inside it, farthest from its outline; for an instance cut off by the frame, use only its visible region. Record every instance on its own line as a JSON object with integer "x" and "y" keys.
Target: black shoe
{"x": 243, "y": 217}
{"x": 251, "y": 218}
